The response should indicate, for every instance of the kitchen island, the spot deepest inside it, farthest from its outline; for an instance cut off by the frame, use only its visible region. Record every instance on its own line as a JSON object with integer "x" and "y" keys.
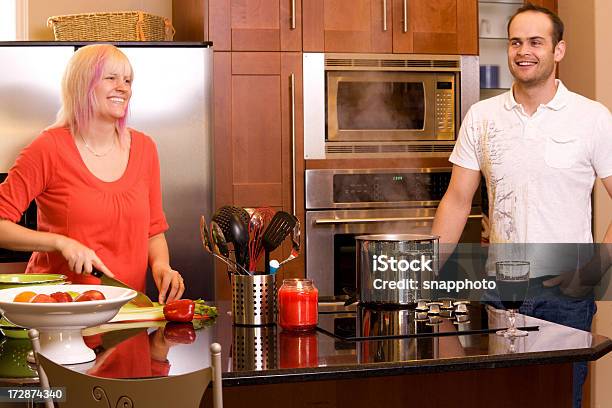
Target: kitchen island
{"x": 437, "y": 360}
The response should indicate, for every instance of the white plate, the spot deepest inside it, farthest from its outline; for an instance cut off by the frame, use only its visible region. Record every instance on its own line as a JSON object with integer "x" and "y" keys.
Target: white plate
{"x": 60, "y": 324}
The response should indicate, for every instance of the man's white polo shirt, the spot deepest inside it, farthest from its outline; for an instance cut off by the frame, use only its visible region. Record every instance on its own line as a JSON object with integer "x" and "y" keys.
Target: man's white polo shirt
{"x": 539, "y": 170}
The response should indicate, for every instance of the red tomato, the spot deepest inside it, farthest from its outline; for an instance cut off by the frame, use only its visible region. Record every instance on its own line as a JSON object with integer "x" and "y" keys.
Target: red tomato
{"x": 179, "y": 310}
{"x": 90, "y": 295}
{"x": 61, "y": 297}
{"x": 42, "y": 299}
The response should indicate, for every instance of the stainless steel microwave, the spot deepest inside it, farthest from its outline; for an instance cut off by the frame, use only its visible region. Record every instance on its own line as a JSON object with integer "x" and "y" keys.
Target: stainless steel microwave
{"x": 374, "y": 105}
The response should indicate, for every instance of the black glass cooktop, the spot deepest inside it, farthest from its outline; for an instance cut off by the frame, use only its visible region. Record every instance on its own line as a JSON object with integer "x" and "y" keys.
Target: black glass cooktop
{"x": 370, "y": 323}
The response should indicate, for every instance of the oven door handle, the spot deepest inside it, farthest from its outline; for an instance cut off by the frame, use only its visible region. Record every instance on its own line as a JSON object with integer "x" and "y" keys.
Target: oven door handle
{"x": 325, "y": 221}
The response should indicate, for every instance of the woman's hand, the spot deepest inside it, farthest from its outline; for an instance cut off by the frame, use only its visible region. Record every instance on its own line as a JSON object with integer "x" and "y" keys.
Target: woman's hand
{"x": 80, "y": 258}
{"x": 168, "y": 281}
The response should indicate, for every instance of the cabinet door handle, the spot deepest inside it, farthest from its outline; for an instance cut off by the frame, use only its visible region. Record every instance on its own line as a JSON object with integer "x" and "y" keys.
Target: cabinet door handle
{"x": 293, "y": 14}
{"x": 405, "y": 28}
{"x": 293, "y": 175}
{"x": 384, "y": 15}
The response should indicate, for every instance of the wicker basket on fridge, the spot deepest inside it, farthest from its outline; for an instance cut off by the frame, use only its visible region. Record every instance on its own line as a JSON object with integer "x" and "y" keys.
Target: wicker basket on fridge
{"x": 111, "y": 26}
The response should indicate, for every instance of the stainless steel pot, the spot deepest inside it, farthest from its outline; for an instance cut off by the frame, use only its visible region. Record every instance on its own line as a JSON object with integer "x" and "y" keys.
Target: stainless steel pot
{"x": 392, "y": 268}
{"x": 397, "y": 322}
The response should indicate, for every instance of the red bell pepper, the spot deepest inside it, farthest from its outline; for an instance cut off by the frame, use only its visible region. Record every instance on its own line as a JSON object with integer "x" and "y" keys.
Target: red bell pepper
{"x": 179, "y": 310}
{"x": 181, "y": 333}
{"x": 184, "y": 310}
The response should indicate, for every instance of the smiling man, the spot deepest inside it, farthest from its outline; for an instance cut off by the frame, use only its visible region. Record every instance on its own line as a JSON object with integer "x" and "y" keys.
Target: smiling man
{"x": 540, "y": 148}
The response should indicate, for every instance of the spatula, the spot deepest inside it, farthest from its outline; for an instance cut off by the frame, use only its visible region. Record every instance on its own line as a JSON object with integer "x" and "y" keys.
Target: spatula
{"x": 295, "y": 244}
{"x": 223, "y": 218}
{"x": 280, "y": 226}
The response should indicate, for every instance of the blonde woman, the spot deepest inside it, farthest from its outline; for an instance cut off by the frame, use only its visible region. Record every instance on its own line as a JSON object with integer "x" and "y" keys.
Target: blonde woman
{"x": 96, "y": 184}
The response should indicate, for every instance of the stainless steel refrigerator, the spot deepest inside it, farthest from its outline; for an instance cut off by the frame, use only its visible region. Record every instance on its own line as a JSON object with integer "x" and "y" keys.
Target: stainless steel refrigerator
{"x": 171, "y": 102}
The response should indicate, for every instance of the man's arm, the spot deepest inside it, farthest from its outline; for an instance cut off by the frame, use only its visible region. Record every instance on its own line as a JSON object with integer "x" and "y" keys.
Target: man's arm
{"x": 453, "y": 211}
{"x": 581, "y": 282}
{"x": 607, "y": 182}
{"x": 605, "y": 248}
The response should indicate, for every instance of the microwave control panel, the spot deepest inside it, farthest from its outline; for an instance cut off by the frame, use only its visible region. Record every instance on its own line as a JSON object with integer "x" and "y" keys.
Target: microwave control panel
{"x": 445, "y": 106}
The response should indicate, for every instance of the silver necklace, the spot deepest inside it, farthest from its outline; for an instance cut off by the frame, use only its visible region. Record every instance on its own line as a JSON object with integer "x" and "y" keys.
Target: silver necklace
{"x": 92, "y": 151}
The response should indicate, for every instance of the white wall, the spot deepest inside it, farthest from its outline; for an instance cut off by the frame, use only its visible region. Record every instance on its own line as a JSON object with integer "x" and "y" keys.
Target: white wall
{"x": 602, "y": 392}
{"x": 40, "y": 10}
{"x": 586, "y": 69}
{"x": 603, "y": 93}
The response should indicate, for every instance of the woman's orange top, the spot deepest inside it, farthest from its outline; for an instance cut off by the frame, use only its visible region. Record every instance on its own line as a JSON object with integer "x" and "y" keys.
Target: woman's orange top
{"x": 115, "y": 219}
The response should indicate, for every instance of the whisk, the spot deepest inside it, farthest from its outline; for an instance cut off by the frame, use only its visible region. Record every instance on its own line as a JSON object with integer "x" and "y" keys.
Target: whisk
{"x": 260, "y": 218}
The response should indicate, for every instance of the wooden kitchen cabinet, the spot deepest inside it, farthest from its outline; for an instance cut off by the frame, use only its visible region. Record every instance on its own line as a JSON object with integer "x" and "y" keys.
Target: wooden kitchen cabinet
{"x": 347, "y": 26}
{"x": 552, "y": 5}
{"x": 399, "y": 26}
{"x": 256, "y": 112}
{"x": 435, "y": 26}
{"x": 256, "y": 25}
{"x": 240, "y": 25}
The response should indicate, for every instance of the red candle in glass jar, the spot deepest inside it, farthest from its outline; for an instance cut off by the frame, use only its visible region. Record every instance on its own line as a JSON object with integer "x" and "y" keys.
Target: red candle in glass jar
{"x": 298, "y": 305}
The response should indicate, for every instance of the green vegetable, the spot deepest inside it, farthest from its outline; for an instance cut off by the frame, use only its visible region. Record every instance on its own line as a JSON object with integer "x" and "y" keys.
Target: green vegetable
{"x": 201, "y": 308}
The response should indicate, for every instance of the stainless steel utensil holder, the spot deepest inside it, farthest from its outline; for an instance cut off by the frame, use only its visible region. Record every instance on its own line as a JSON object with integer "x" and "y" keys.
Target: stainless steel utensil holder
{"x": 253, "y": 300}
{"x": 254, "y": 348}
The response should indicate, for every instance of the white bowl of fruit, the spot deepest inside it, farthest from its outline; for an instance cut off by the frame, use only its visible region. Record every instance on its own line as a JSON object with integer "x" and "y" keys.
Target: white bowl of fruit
{"x": 59, "y": 313}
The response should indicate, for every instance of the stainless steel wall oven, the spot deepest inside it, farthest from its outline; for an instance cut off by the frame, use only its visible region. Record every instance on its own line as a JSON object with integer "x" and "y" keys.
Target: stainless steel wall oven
{"x": 341, "y": 204}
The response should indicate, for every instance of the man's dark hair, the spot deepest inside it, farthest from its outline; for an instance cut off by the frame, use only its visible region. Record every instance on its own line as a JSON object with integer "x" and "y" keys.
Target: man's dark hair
{"x": 558, "y": 28}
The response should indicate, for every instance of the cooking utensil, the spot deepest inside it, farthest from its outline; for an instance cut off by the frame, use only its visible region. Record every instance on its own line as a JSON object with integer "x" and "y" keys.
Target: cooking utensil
{"x": 223, "y": 218}
{"x": 295, "y": 243}
{"x": 240, "y": 238}
{"x": 221, "y": 250}
{"x": 218, "y": 239}
{"x": 205, "y": 235}
{"x": 256, "y": 228}
{"x": 260, "y": 218}
{"x": 209, "y": 247}
{"x": 274, "y": 265}
{"x": 141, "y": 300}
{"x": 280, "y": 226}
{"x": 409, "y": 258}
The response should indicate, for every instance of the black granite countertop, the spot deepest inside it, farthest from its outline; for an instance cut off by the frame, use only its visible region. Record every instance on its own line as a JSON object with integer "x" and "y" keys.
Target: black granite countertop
{"x": 267, "y": 355}
{"x": 414, "y": 348}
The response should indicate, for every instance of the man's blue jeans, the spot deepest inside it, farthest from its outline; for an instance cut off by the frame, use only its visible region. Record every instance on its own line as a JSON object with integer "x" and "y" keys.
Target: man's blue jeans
{"x": 551, "y": 305}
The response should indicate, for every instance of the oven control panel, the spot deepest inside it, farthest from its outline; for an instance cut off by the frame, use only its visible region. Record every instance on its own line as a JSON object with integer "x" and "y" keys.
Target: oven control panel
{"x": 389, "y": 187}
{"x": 377, "y": 188}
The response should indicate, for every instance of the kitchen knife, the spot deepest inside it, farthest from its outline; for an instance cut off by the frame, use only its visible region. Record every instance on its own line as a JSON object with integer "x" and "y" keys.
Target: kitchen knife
{"x": 141, "y": 300}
